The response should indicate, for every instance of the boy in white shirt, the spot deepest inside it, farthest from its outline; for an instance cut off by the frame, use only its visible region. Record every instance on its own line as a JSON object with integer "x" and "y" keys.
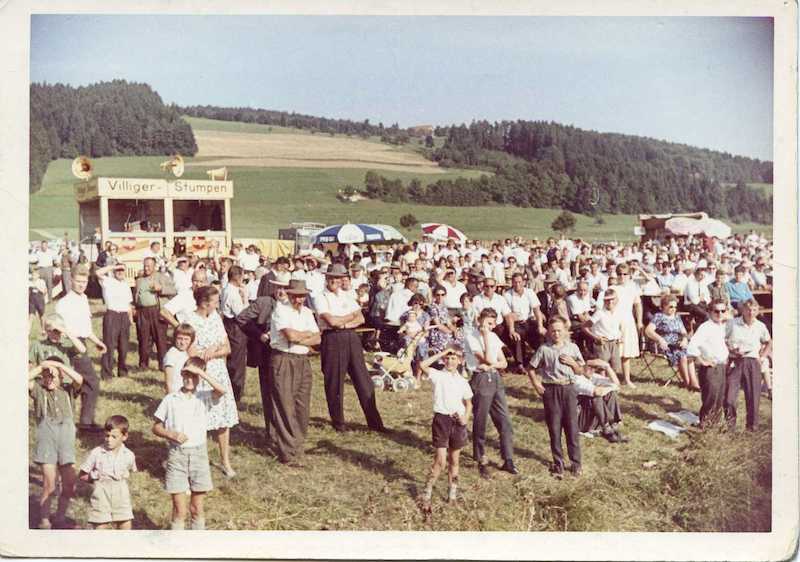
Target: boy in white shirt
{"x": 451, "y": 409}
{"x": 181, "y": 419}
{"x": 176, "y": 357}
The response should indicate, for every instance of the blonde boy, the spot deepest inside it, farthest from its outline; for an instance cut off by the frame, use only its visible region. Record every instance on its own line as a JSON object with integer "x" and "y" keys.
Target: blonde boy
{"x": 181, "y": 419}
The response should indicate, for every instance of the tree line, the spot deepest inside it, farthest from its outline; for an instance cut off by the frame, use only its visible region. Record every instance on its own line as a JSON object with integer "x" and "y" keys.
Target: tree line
{"x": 545, "y": 164}
{"x": 391, "y": 134}
{"x": 114, "y": 118}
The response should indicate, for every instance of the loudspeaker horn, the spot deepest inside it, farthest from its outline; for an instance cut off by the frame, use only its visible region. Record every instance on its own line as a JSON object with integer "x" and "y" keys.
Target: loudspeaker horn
{"x": 175, "y": 166}
{"x": 82, "y": 168}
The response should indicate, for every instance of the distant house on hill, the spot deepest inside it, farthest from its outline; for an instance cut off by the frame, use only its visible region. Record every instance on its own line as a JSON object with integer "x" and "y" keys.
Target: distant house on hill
{"x": 420, "y": 130}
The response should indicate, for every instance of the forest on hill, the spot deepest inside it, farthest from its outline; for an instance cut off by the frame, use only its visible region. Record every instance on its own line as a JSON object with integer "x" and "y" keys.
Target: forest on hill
{"x": 545, "y": 164}
{"x": 115, "y": 118}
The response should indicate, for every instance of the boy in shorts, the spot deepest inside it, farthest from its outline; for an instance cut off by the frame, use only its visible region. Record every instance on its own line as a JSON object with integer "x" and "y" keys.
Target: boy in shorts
{"x": 452, "y": 405}
{"x": 181, "y": 419}
{"x": 55, "y": 433}
{"x": 109, "y": 466}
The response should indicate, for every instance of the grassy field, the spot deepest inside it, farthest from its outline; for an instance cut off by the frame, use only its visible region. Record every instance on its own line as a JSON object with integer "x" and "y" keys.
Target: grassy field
{"x": 364, "y": 481}
{"x": 269, "y": 196}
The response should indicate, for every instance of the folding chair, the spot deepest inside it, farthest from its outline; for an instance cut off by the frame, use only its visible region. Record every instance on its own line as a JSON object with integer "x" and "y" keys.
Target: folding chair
{"x": 650, "y": 358}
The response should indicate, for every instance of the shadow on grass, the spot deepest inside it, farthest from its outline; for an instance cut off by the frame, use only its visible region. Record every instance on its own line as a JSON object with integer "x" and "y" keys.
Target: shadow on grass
{"x": 142, "y": 521}
{"x": 386, "y": 467}
{"x": 150, "y": 453}
{"x": 149, "y": 404}
{"x": 521, "y": 393}
{"x": 252, "y": 437}
{"x": 632, "y": 405}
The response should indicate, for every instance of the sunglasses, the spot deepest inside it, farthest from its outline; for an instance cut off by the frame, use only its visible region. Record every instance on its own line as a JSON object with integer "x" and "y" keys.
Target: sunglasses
{"x": 489, "y": 286}
{"x": 720, "y": 310}
{"x": 441, "y": 294}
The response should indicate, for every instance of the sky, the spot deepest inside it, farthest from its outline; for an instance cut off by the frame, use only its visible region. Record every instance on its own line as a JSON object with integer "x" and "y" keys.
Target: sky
{"x": 705, "y": 82}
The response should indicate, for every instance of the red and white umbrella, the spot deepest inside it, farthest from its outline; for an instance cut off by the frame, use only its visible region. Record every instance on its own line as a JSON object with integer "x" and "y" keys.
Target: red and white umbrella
{"x": 443, "y": 231}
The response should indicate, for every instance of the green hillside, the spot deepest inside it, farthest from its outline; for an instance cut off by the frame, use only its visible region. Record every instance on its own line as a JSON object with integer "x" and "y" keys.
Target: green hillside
{"x": 267, "y": 199}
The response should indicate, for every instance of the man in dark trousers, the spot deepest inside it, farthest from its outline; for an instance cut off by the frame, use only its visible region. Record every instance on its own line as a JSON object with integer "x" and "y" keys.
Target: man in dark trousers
{"x": 150, "y": 286}
{"x": 709, "y": 351}
{"x": 74, "y": 310}
{"x": 554, "y": 367}
{"x": 254, "y": 321}
{"x": 341, "y": 351}
{"x": 117, "y": 319}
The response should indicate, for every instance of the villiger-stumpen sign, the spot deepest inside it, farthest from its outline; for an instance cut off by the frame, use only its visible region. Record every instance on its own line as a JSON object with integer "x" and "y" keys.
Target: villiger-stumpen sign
{"x": 143, "y": 188}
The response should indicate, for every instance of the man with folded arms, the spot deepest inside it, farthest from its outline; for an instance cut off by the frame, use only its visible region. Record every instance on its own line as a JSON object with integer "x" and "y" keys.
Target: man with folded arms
{"x": 293, "y": 331}
{"x": 341, "y": 351}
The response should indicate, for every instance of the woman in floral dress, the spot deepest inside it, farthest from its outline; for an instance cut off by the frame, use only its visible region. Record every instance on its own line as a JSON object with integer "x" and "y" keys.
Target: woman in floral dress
{"x": 442, "y": 330}
{"x": 667, "y": 330}
{"x": 211, "y": 343}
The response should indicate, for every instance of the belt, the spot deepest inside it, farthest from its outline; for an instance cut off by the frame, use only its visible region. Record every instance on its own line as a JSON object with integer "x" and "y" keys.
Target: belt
{"x": 557, "y": 383}
{"x": 148, "y": 306}
{"x": 337, "y": 330}
{"x": 117, "y": 311}
{"x": 289, "y": 353}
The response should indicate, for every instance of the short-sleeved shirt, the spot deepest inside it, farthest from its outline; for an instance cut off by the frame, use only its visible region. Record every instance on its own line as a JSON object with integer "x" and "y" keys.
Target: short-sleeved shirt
{"x": 104, "y": 464}
{"x": 577, "y": 305}
{"x": 181, "y": 305}
{"x": 284, "y": 317}
{"x": 77, "y": 315}
{"x": 336, "y": 304}
{"x": 748, "y": 339}
{"x": 553, "y": 371}
{"x": 708, "y": 342}
{"x": 40, "y": 350}
{"x": 144, "y": 295}
{"x": 473, "y": 342}
{"x": 54, "y": 405}
{"x": 497, "y": 302}
{"x": 231, "y": 303}
{"x": 185, "y": 413}
{"x": 449, "y": 392}
{"x": 176, "y": 359}
{"x": 116, "y": 294}
{"x": 452, "y": 298}
{"x": 522, "y": 305}
{"x": 738, "y": 292}
{"x": 607, "y": 324}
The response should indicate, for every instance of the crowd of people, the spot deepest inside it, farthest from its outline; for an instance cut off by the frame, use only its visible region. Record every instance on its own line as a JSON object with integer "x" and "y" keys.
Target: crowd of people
{"x": 568, "y": 314}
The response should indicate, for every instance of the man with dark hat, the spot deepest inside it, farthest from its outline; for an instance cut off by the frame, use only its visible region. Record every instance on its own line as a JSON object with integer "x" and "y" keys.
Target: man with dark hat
{"x": 292, "y": 331}
{"x": 342, "y": 352}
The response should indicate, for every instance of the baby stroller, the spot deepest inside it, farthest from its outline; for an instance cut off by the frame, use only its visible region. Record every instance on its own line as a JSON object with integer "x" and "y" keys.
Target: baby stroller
{"x": 394, "y": 372}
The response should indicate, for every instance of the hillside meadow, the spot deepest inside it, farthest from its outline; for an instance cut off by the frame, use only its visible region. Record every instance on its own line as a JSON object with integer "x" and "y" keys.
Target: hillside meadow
{"x": 266, "y": 199}
{"x": 699, "y": 482}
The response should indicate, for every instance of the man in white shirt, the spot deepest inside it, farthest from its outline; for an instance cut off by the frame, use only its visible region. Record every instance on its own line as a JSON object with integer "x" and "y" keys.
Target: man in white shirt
{"x": 398, "y": 302}
{"x": 490, "y": 299}
{"x": 293, "y": 331}
{"x": 341, "y": 351}
{"x": 749, "y": 343}
{"x": 182, "y": 275}
{"x": 604, "y": 329}
{"x": 45, "y": 258}
{"x": 177, "y": 309}
{"x": 454, "y": 290}
{"x": 710, "y": 353}
{"x": 74, "y": 309}
{"x": 696, "y": 296}
{"x": 154, "y": 251}
{"x": 528, "y": 320}
{"x": 681, "y": 278}
{"x": 233, "y": 301}
{"x": 117, "y": 319}
{"x": 249, "y": 260}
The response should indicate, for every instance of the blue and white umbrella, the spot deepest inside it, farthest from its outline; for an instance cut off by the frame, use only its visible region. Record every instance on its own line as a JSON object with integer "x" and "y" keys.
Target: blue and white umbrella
{"x": 390, "y": 233}
{"x": 350, "y": 234}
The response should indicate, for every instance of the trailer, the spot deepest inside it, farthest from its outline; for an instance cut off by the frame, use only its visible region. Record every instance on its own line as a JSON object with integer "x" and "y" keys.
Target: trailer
{"x": 185, "y": 216}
